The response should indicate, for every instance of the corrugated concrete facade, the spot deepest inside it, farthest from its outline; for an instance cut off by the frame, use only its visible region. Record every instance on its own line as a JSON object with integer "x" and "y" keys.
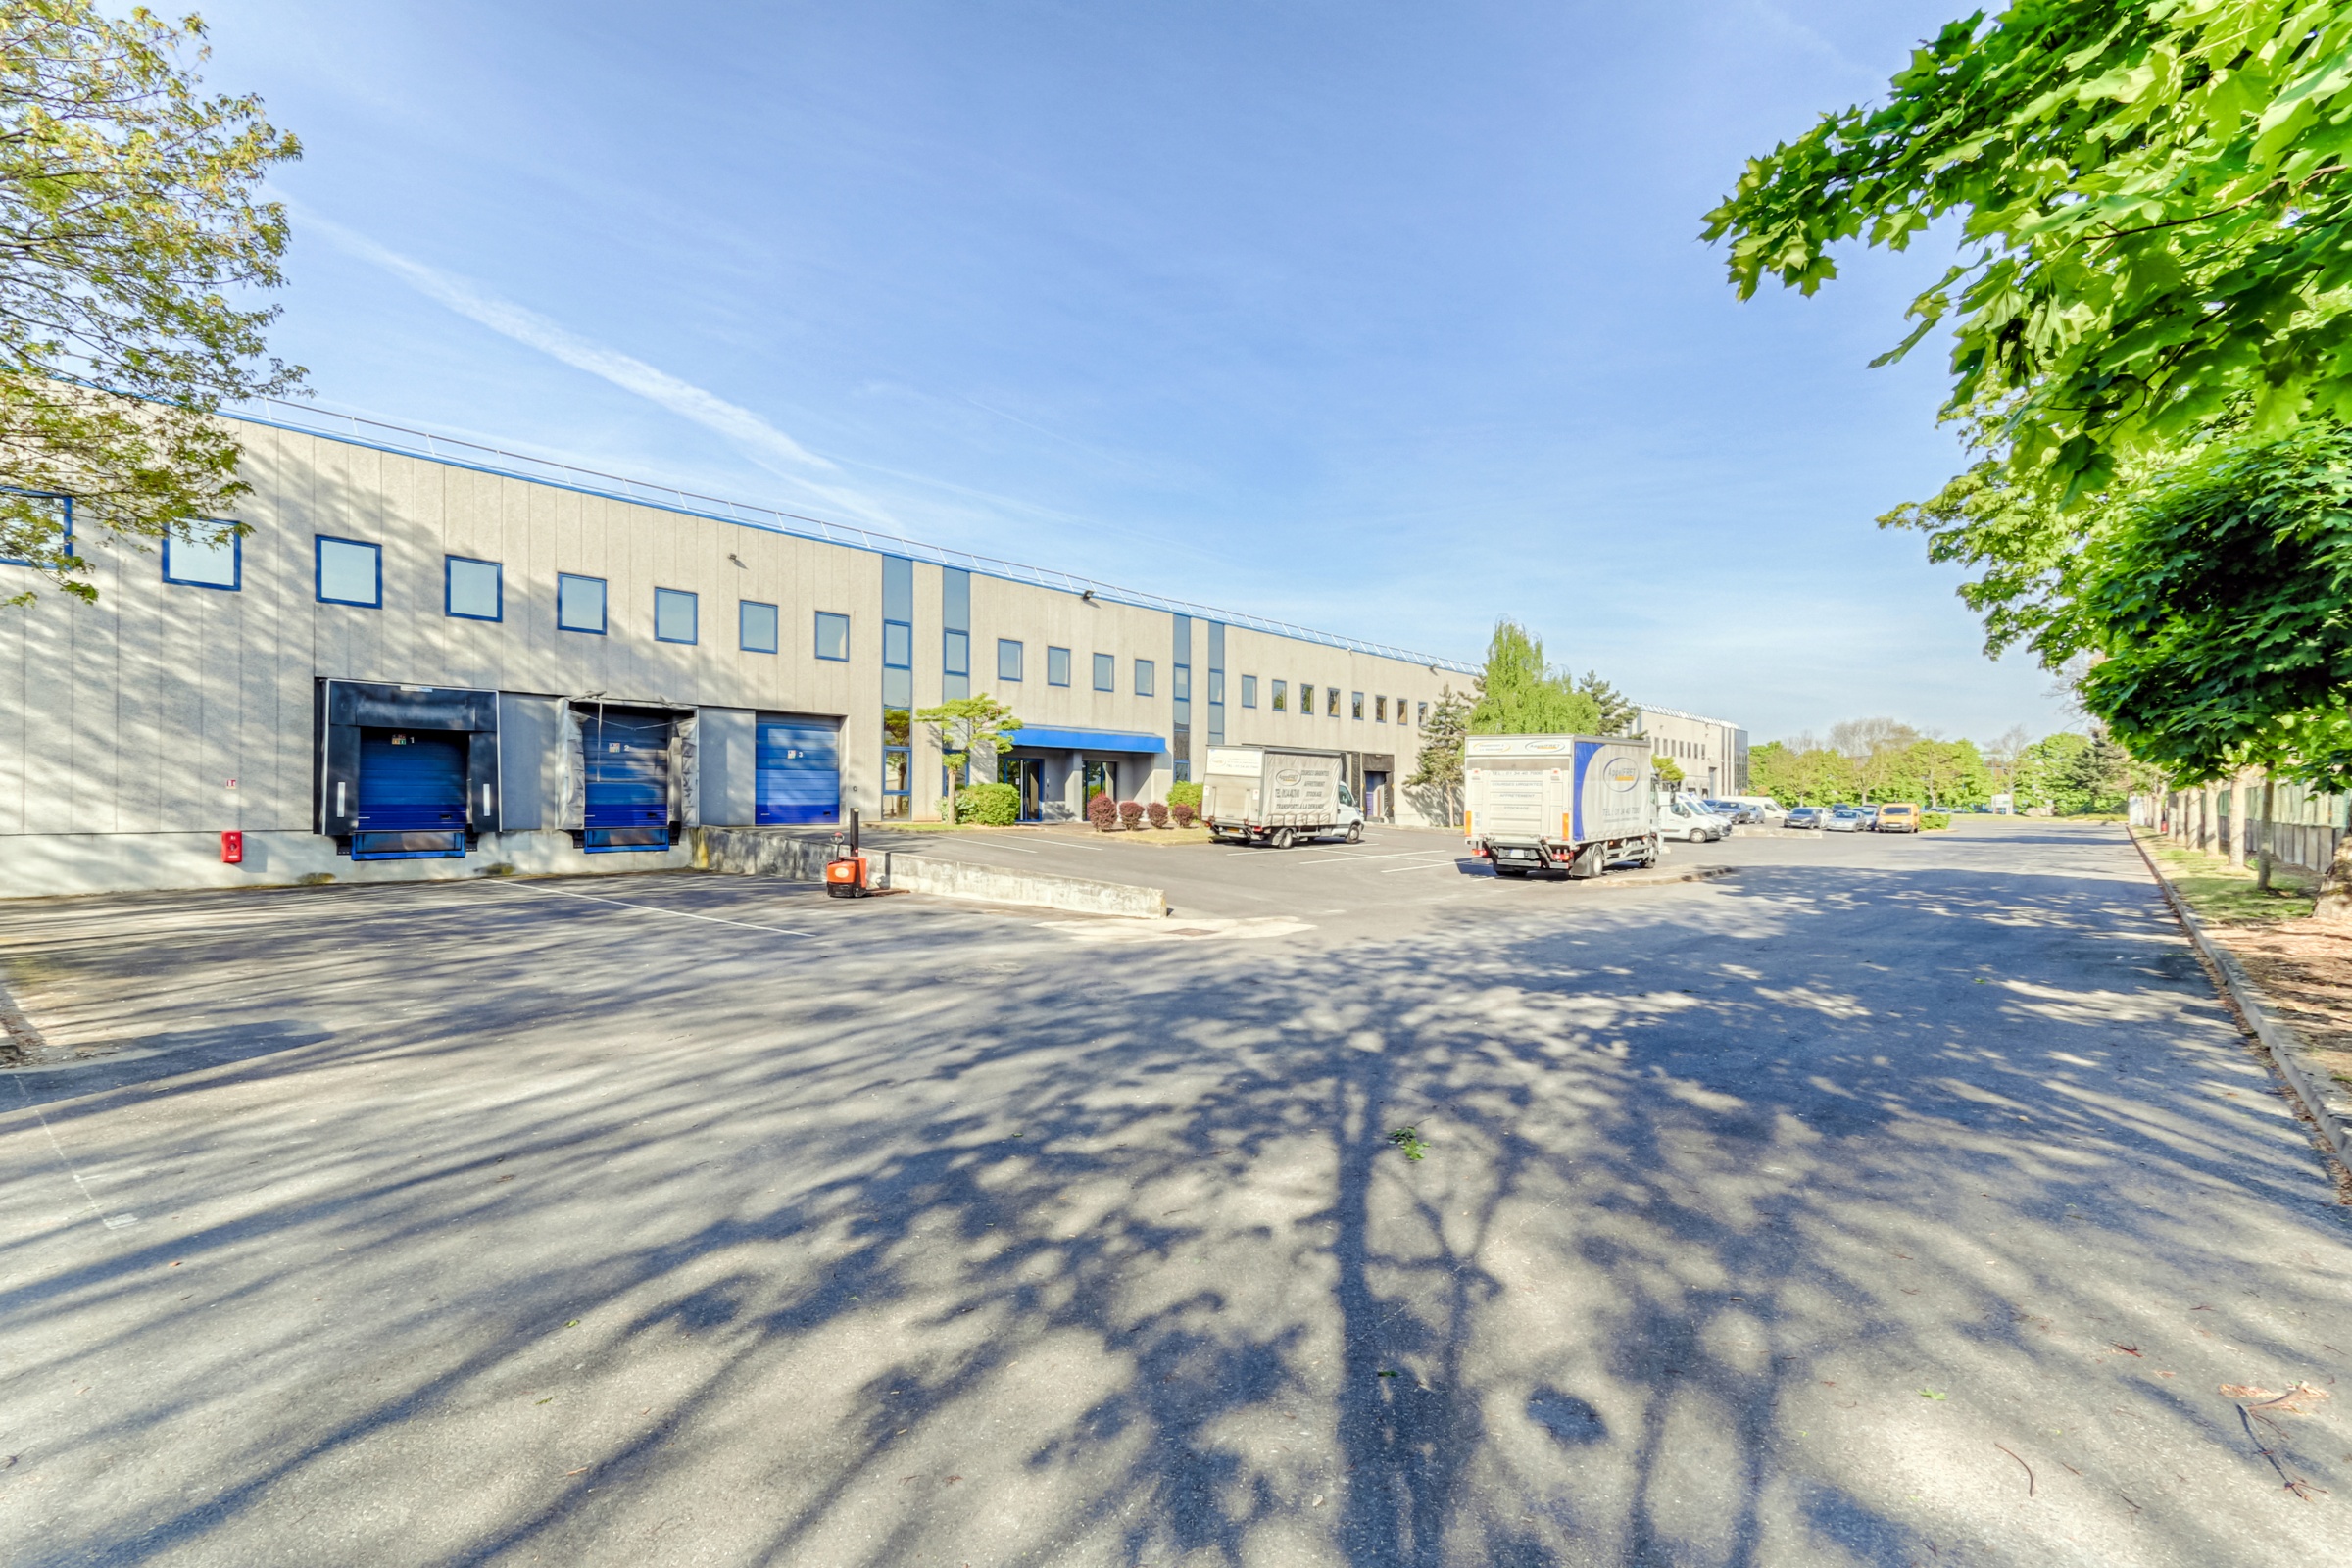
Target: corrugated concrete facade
{"x": 134, "y": 732}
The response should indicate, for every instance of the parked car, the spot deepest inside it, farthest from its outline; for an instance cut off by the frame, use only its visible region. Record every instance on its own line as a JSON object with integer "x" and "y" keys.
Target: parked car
{"x": 1870, "y": 817}
{"x": 1735, "y": 810}
{"x": 1898, "y": 817}
{"x": 1808, "y": 817}
{"x": 1844, "y": 820}
{"x": 1768, "y": 812}
{"x": 1681, "y": 816}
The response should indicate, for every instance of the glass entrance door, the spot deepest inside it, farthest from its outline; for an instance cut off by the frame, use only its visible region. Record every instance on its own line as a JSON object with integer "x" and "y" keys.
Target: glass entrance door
{"x": 1102, "y": 778}
{"x": 1028, "y": 775}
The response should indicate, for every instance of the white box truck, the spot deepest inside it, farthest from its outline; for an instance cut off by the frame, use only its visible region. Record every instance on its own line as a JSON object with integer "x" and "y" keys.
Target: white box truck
{"x": 1579, "y": 801}
{"x": 1277, "y": 795}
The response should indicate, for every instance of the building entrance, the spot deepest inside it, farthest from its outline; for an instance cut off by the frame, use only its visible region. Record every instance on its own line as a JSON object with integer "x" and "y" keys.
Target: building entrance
{"x": 1102, "y": 778}
{"x": 1026, "y": 775}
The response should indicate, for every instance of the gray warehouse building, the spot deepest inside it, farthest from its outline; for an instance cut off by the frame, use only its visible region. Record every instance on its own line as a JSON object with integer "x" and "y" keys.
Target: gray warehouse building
{"x": 428, "y": 659}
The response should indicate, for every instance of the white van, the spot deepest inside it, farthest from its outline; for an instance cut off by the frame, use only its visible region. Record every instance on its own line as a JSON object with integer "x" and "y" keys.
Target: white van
{"x": 1775, "y": 813}
{"x": 1681, "y": 816}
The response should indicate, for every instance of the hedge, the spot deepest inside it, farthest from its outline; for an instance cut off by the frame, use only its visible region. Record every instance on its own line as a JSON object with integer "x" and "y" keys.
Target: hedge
{"x": 990, "y": 805}
{"x": 1186, "y": 794}
{"x": 1931, "y": 821}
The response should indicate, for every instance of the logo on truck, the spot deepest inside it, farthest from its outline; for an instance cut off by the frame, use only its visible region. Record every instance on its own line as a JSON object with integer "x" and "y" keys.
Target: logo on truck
{"x": 1622, "y": 774}
{"x": 1289, "y": 776}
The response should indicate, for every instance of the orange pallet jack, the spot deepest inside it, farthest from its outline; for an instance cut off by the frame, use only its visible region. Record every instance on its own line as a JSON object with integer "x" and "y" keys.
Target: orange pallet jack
{"x": 844, "y": 874}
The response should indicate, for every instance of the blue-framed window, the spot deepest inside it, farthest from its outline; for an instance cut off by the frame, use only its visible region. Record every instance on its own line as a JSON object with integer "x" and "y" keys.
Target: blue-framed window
{"x": 676, "y": 615}
{"x": 1249, "y": 691}
{"x": 1106, "y": 673}
{"x": 206, "y": 563}
{"x": 65, "y": 507}
{"x": 1008, "y": 659}
{"x": 347, "y": 571}
{"x": 1356, "y": 709}
{"x": 897, "y": 649}
{"x": 1380, "y": 710}
{"x": 956, "y": 653}
{"x": 1058, "y": 667}
{"x": 955, "y": 627}
{"x": 757, "y": 626}
{"x": 832, "y": 636}
{"x": 472, "y": 590}
{"x": 1216, "y": 685}
{"x": 1280, "y": 698}
{"x": 1146, "y": 677}
{"x": 579, "y": 604}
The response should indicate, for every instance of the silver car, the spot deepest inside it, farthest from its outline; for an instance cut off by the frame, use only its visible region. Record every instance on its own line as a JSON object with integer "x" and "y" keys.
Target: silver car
{"x": 1844, "y": 821}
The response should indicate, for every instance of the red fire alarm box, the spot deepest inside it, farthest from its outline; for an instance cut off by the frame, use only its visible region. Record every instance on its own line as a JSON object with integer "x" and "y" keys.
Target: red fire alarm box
{"x": 233, "y": 848}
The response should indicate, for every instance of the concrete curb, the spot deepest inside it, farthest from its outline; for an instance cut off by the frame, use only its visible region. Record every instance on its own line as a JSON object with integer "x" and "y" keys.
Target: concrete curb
{"x": 751, "y": 853}
{"x": 2327, "y": 1100}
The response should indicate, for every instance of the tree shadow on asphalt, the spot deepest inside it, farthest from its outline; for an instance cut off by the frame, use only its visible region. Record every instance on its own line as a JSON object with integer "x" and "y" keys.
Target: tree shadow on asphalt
{"x": 1666, "y": 1193}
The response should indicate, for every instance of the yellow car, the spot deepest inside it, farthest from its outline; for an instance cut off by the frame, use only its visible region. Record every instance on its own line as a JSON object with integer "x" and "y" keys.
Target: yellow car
{"x": 1898, "y": 818}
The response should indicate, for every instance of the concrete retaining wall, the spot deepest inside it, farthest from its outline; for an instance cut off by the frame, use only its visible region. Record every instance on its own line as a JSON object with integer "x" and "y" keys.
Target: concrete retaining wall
{"x": 751, "y": 853}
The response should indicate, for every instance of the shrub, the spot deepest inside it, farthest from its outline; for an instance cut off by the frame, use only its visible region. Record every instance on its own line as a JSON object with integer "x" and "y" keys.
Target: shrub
{"x": 1157, "y": 814}
{"x": 1131, "y": 815}
{"x": 1104, "y": 812}
{"x": 990, "y": 805}
{"x": 1186, "y": 794}
{"x": 1928, "y": 821}
{"x": 1184, "y": 814}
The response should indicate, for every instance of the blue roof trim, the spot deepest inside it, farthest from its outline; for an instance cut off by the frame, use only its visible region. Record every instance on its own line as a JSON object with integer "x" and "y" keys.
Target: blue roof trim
{"x": 1082, "y": 740}
{"x": 407, "y": 443}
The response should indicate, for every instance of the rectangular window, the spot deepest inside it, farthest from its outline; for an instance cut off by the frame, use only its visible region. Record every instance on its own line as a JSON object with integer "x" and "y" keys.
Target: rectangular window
{"x": 1249, "y": 691}
{"x": 832, "y": 636}
{"x": 955, "y": 628}
{"x": 200, "y": 563}
{"x": 350, "y": 572}
{"x": 757, "y": 626}
{"x": 1380, "y": 710}
{"x": 1181, "y": 688}
{"x": 898, "y": 635}
{"x": 675, "y": 615}
{"x": 1008, "y": 659}
{"x": 1282, "y": 694}
{"x": 472, "y": 590}
{"x": 62, "y": 509}
{"x": 1420, "y": 715}
{"x": 1332, "y": 702}
{"x": 1146, "y": 677}
{"x": 1106, "y": 673}
{"x": 1216, "y": 685}
{"x": 898, "y": 645}
{"x": 1356, "y": 709}
{"x": 1058, "y": 667}
{"x": 580, "y": 604}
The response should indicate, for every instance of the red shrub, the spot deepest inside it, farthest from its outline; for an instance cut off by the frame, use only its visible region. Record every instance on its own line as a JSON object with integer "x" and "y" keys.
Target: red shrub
{"x": 1131, "y": 815}
{"x": 1158, "y": 813}
{"x": 1104, "y": 812}
{"x": 1184, "y": 814}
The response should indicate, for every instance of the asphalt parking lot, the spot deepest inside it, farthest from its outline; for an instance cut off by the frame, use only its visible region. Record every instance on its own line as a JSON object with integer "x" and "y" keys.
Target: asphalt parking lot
{"x": 1886, "y": 1202}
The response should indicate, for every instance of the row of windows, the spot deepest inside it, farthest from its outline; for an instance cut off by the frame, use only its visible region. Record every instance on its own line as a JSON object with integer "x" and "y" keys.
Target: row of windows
{"x": 351, "y": 571}
{"x": 1279, "y": 699}
{"x": 1695, "y": 750}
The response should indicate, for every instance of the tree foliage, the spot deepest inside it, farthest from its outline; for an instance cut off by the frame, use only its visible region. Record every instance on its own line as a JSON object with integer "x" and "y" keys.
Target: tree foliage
{"x": 2155, "y": 215}
{"x": 1439, "y": 764}
{"x": 969, "y": 729}
{"x": 128, "y": 217}
{"x": 2218, "y": 606}
{"x": 1617, "y": 710}
{"x": 1911, "y": 768}
{"x": 2069, "y": 774}
{"x": 1519, "y": 694}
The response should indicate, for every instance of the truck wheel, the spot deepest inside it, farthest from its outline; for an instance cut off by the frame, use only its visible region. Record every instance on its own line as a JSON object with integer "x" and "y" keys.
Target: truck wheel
{"x": 1355, "y": 832}
{"x": 1282, "y": 838}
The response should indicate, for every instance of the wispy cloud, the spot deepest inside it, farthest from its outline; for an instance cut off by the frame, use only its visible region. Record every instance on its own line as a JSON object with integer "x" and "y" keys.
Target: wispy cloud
{"x": 771, "y": 446}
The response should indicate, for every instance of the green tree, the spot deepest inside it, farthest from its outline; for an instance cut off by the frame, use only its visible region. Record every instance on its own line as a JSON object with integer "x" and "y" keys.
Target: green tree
{"x": 969, "y": 729}
{"x": 1666, "y": 770}
{"x": 1519, "y": 694}
{"x": 128, "y": 220}
{"x": 1439, "y": 764}
{"x": 2154, "y": 203}
{"x": 1617, "y": 710}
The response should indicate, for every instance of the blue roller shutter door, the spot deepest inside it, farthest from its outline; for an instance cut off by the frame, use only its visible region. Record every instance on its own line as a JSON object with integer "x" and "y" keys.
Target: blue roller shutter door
{"x": 799, "y": 773}
{"x": 411, "y": 791}
{"x": 627, "y": 782}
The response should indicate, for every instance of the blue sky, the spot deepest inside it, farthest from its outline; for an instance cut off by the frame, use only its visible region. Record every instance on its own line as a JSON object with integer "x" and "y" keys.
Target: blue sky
{"x": 1383, "y": 318}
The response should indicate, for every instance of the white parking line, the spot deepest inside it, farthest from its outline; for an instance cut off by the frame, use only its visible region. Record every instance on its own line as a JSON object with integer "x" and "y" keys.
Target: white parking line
{"x": 1334, "y": 859}
{"x": 652, "y": 909}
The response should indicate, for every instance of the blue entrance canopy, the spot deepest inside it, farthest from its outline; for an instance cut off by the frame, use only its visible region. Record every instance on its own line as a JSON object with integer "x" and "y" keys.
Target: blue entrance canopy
{"x": 1081, "y": 740}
